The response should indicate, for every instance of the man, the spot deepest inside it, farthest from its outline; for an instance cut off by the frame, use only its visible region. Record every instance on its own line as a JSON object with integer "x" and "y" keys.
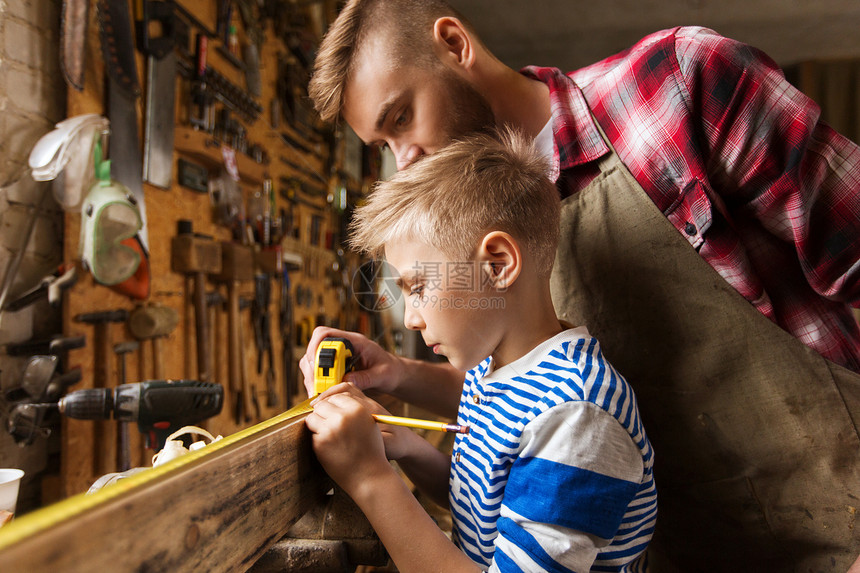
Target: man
{"x": 709, "y": 230}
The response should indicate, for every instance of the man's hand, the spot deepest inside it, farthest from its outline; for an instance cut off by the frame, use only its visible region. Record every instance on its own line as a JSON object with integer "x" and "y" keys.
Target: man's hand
{"x": 374, "y": 367}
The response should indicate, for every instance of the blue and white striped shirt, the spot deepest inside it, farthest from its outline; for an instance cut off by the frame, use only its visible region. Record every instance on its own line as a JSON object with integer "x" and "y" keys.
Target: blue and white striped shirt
{"x": 556, "y": 471}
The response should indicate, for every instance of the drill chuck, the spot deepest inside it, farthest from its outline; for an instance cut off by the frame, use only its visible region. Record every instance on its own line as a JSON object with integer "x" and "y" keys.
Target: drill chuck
{"x": 87, "y": 404}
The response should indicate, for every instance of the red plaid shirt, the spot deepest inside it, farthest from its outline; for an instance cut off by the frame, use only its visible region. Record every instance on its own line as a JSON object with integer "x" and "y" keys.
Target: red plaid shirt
{"x": 738, "y": 161}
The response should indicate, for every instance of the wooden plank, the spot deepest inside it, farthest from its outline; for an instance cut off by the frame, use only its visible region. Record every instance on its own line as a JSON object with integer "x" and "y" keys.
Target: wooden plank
{"x": 216, "y": 509}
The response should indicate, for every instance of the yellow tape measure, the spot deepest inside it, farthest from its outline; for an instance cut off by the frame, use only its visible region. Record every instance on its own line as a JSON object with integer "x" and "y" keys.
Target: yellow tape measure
{"x": 334, "y": 359}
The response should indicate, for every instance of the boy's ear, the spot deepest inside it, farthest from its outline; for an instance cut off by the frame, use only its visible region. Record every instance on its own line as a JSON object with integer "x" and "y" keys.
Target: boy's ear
{"x": 500, "y": 258}
{"x": 453, "y": 43}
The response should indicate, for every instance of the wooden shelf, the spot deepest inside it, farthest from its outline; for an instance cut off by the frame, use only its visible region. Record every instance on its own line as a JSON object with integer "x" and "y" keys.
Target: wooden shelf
{"x": 203, "y": 148}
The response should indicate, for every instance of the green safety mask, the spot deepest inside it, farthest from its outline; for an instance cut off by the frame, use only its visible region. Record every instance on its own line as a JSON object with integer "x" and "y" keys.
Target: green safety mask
{"x": 110, "y": 219}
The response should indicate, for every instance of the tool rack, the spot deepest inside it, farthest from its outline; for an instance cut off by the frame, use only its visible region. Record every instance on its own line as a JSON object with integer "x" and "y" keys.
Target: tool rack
{"x": 299, "y": 162}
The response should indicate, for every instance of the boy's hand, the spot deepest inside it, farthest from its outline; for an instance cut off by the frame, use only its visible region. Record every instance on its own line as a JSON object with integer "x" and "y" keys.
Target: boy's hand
{"x": 346, "y": 439}
{"x": 374, "y": 367}
{"x": 395, "y": 438}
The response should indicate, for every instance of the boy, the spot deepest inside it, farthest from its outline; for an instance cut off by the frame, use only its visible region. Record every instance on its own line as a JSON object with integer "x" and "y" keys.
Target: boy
{"x": 555, "y": 472}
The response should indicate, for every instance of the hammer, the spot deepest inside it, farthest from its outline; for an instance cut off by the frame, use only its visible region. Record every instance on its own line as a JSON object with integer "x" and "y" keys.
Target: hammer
{"x": 215, "y": 302}
{"x": 197, "y": 255}
{"x": 237, "y": 264}
{"x": 153, "y": 323}
{"x": 101, "y": 321}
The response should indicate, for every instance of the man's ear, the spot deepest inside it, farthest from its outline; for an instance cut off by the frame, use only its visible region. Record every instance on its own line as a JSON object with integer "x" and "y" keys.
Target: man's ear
{"x": 453, "y": 43}
{"x": 500, "y": 258}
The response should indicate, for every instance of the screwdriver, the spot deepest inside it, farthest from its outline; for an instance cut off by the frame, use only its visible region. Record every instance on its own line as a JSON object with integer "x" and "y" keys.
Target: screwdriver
{"x": 335, "y": 357}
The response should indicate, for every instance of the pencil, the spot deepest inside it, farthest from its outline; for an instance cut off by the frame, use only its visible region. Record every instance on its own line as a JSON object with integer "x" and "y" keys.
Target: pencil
{"x": 421, "y": 424}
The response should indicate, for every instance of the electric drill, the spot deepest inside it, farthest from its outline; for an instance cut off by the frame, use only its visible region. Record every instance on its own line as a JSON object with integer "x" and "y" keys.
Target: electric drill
{"x": 160, "y": 407}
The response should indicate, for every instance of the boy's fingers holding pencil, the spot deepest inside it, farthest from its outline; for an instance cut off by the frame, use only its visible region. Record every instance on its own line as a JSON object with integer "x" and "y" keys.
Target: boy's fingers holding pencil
{"x": 346, "y": 394}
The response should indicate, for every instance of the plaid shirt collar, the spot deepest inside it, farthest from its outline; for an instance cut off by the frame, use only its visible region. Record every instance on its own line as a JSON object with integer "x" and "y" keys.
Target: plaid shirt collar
{"x": 573, "y": 125}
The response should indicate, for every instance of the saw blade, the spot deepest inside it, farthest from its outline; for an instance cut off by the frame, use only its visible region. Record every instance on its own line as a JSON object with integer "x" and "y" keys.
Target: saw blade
{"x": 159, "y": 120}
{"x": 125, "y": 157}
{"x": 117, "y": 43}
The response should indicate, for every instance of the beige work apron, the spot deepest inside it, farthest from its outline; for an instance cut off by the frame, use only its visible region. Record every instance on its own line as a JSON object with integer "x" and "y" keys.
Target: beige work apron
{"x": 757, "y": 459}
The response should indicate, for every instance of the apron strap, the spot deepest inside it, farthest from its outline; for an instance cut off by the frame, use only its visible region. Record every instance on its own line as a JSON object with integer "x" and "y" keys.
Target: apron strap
{"x": 756, "y": 450}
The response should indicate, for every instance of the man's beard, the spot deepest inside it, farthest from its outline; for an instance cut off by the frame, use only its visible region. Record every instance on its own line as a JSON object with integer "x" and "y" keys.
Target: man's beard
{"x": 469, "y": 112}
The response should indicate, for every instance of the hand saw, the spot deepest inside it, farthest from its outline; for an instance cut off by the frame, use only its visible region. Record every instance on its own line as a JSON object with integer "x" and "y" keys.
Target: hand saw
{"x": 156, "y": 37}
{"x": 117, "y": 45}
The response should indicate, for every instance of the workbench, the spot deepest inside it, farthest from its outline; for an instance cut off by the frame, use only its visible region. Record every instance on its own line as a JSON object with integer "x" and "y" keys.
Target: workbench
{"x": 219, "y": 508}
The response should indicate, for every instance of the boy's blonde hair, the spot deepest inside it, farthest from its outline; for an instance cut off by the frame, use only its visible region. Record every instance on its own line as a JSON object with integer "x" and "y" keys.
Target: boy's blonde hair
{"x": 453, "y": 198}
{"x": 406, "y": 25}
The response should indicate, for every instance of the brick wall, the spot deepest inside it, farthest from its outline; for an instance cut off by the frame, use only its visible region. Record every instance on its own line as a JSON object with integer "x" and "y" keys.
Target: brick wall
{"x": 32, "y": 100}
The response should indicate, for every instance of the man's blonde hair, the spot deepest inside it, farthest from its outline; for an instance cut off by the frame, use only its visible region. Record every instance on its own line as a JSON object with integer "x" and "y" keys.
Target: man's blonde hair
{"x": 453, "y": 198}
{"x": 406, "y": 25}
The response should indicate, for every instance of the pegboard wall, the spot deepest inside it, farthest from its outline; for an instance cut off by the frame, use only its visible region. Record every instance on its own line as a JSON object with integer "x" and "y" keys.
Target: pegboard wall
{"x": 297, "y": 181}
